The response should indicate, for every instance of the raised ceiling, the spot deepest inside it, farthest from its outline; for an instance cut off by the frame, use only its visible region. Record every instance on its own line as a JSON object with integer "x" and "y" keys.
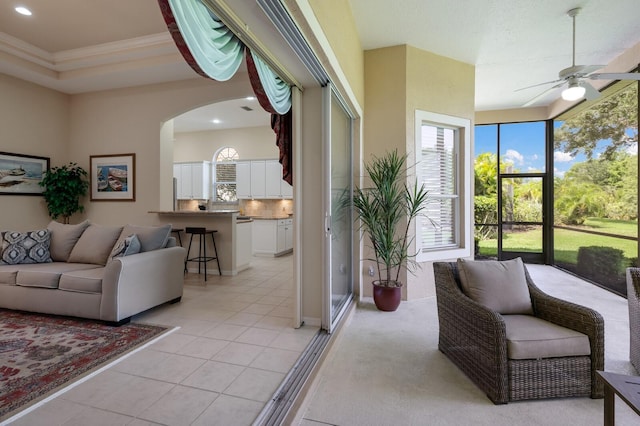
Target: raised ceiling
{"x": 77, "y": 46}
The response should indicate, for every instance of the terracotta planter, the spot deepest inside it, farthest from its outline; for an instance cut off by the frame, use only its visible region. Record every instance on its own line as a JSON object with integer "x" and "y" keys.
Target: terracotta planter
{"x": 387, "y": 298}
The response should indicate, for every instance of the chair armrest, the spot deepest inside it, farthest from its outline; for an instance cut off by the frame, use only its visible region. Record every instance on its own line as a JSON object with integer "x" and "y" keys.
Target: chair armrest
{"x": 578, "y": 318}
{"x": 471, "y": 335}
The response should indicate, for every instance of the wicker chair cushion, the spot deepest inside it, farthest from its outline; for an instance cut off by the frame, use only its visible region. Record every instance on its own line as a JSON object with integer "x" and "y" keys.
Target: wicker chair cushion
{"x": 499, "y": 285}
{"x": 529, "y": 337}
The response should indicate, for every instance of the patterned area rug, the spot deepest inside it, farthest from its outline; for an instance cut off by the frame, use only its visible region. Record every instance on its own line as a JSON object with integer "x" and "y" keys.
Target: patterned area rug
{"x": 39, "y": 354}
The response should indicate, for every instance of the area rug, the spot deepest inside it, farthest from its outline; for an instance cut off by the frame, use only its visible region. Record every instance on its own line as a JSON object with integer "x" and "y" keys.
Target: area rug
{"x": 40, "y": 354}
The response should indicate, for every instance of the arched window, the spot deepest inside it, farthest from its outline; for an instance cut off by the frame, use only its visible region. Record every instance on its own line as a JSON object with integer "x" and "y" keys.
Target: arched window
{"x": 224, "y": 174}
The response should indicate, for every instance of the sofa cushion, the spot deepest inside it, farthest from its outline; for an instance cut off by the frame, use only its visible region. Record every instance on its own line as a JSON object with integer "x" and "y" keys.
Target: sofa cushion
{"x": 64, "y": 238}
{"x": 95, "y": 244}
{"x": 85, "y": 281}
{"x": 529, "y": 337}
{"x": 26, "y": 247}
{"x": 151, "y": 237}
{"x": 498, "y": 285}
{"x": 8, "y": 274}
{"x": 46, "y": 275}
{"x": 128, "y": 246}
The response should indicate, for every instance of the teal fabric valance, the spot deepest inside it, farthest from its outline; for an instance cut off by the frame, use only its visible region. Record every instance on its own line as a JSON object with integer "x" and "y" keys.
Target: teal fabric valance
{"x": 277, "y": 90}
{"x": 216, "y": 50}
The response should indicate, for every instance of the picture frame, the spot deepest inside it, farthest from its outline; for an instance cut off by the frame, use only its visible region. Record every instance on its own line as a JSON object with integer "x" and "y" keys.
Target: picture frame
{"x": 112, "y": 177}
{"x": 21, "y": 174}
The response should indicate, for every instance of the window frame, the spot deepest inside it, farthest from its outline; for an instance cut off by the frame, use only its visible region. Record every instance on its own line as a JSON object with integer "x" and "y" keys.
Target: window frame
{"x": 214, "y": 175}
{"x": 463, "y": 210}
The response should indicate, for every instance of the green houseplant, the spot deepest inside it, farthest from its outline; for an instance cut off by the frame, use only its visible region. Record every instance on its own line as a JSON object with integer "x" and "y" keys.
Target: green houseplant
{"x": 63, "y": 187}
{"x": 385, "y": 211}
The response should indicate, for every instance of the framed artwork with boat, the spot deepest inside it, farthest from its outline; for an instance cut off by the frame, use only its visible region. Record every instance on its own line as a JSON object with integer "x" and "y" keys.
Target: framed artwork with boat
{"x": 112, "y": 177}
{"x": 21, "y": 174}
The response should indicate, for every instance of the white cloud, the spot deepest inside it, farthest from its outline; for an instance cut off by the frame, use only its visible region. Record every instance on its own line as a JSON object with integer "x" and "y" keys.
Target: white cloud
{"x": 534, "y": 157}
{"x": 514, "y": 155}
{"x": 562, "y": 157}
{"x": 558, "y": 173}
{"x": 633, "y": 149}
{"x": 533, "y": 169}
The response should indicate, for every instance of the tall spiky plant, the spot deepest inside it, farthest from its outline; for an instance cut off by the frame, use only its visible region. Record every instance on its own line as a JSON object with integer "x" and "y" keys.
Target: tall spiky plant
{"x": 381, "y": 210}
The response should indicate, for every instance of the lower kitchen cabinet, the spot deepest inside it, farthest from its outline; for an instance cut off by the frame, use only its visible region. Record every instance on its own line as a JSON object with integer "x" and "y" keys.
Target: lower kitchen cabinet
{"x": 272, "y": 236}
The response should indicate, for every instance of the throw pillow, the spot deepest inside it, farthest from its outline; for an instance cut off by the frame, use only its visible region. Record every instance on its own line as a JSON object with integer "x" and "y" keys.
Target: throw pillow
{"x": 151, "y": 237}
{"x": 26, "y": 247}
{"x": 126, "y": 247}
{"x": 95, "y": 244}
{"x": 498, "y": 285}
{"x": 64, "y": 238}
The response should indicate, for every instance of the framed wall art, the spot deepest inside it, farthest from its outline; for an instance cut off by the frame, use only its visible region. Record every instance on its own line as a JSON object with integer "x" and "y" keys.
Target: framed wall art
{"x": 113, "y": 177}
{"x": 21, "y": 174}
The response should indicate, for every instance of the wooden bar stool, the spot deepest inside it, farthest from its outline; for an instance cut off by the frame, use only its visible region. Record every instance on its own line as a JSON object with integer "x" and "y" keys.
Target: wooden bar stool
{"x": 202, "y": 257}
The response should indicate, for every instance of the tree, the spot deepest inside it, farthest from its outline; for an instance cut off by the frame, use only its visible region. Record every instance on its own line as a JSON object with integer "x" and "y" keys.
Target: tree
{"x": 614, "y": 119}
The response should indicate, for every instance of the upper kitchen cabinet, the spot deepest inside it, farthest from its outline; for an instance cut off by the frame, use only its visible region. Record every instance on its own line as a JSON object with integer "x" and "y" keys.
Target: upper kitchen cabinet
{"x": 261, "y": 179}
{"x": 275, "y": 186}
{"x": 193, "y": 180}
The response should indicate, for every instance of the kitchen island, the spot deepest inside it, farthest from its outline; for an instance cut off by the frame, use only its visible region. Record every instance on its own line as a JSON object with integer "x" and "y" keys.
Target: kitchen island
{"x": 233, "y": 239}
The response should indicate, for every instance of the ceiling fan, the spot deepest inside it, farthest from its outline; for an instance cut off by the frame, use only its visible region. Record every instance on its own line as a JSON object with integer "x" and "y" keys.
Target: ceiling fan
{"x": 576, "y": 76}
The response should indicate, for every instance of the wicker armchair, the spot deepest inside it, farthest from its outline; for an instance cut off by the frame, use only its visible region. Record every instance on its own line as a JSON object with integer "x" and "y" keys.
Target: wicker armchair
{"x": 633, "y": 299}
{"x": 473, "y": 337}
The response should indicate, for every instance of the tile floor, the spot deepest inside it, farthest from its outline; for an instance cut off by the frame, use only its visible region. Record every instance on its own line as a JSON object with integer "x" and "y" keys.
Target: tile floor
{"x": 234, "y": 347}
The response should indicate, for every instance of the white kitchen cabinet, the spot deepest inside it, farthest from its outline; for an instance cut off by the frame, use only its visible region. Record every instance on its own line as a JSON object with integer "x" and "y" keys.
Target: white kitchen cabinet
{"x": 244, "y": 232}
{"x": 275, "y": 186}
{"x": 261, "y": 179}
{"x": 272, "y": 236}
{"x": 250, "y": 182}
{"x": 194, "y": 180}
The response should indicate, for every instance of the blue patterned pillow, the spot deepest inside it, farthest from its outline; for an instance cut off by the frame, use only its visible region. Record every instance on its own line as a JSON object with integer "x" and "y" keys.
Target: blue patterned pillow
{"x": 26, "y": 247}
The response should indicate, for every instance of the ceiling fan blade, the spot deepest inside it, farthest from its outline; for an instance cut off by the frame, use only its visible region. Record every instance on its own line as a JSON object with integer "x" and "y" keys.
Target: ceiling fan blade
{"x": 590, "y": 91}
{"x": 615, "y": 76}
{"x": 542, "y": 95}
{"x": 540, "y": 84}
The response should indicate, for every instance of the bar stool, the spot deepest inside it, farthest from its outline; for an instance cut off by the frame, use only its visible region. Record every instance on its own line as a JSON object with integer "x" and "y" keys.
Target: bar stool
{"x": 177, "y": 231}
{"x": 202, "y": 257}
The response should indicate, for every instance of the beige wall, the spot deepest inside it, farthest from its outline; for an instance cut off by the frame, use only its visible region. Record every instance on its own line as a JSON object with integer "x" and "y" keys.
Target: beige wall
{"x": 33, "y": 121}
{"x": 399, "y": 80}
{"x": 250, "y": 142}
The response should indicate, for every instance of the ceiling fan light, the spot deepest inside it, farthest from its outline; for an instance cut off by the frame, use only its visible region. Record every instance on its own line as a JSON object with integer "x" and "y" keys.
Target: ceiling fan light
{"x": 573, "y": 92}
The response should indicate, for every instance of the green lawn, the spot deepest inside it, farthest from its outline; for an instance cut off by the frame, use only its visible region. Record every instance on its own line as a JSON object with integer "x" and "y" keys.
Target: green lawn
{"x": 567, "y": 242}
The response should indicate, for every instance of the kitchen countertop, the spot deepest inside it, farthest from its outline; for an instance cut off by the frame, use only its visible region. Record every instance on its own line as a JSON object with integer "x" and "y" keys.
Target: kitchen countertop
{"x": 195, "y": 212}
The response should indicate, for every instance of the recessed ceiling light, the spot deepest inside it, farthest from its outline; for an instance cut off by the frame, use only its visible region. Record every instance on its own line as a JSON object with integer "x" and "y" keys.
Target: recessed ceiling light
{"x": 250, "y": 98}
{"x": 216, "y": 121}
{"x": 23, "y": 11}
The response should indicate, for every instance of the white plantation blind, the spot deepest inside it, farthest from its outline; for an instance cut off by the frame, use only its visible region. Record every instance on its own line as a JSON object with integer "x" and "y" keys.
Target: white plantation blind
{"x": 225, "y": 174}
{"x": 439, "y": 174}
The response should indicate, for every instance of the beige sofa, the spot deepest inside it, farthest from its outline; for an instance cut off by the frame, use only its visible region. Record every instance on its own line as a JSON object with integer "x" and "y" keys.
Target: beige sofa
{"x": 90, "y": 271}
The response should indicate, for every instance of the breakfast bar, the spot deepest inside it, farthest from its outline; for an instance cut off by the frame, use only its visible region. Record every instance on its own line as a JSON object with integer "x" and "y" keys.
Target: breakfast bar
{"x": 233, "y": 239}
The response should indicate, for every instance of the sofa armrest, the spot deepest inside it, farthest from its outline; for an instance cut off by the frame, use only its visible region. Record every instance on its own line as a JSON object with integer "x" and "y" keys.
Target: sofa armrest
{"x": 471, "y": 335}
{"x": 578, "y": 318}
{"x": 135, "y": 283}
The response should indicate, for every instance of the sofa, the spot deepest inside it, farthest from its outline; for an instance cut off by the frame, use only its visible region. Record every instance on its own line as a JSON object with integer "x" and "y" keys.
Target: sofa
{"x": 107, "y": 273}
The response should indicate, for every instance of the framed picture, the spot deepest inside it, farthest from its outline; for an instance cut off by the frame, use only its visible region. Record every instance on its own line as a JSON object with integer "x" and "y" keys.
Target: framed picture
{"x": 21, "y": 174}
{"x": 113, "y": 177}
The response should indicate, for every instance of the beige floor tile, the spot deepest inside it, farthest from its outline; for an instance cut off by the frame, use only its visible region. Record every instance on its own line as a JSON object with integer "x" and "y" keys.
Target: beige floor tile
{"x": 291, "y": 341}
{"x": 98, "y": 388}
{"x": 180, "y": 406}
{"x": 246, "y": 297}
{"x": 172, "y": 343}
{"x": 229, "y": 410}
{"x": 261, "y": 291}
{"x": 275, "y": 323}
{"x": 157, "y": 365}
{"x": 273, "y": 359}
{"x": 203, "y": 347}
{"x": 271, "y": 300}
{"x": 55, "y": 412}
{"x": 226, "y": 331}
{"x": 96, "y": 417}
{"x": 195, "y": 327}
{"x": 258, "y": 309}
{"x": 282, "y": 311}
{"x": 243, "y": 318}
{"x": 238, "y": 353}
{"x": 258, "y": 385}
{"x": 258, "y": 336}
{"x": 213, "y": 376}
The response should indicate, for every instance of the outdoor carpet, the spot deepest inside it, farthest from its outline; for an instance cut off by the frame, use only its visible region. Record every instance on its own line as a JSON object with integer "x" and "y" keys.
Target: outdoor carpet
{"x": 40, "y": 354}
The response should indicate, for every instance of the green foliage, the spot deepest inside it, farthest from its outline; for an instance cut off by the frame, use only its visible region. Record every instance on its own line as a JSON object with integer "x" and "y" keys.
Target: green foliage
{"x": 601, "y": 263}
{"x": 385, "y": 211}
{"x": 63, "y": 187}
{"x": 614, "y": 118}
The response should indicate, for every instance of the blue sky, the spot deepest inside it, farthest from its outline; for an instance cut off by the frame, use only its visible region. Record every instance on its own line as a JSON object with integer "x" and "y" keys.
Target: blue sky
{"x": 523, "y": 144}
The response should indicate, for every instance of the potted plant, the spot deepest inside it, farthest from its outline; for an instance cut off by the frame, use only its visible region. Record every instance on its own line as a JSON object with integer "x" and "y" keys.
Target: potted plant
{"x": 63, "y": 187}
{"x": 385, "y": 211}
